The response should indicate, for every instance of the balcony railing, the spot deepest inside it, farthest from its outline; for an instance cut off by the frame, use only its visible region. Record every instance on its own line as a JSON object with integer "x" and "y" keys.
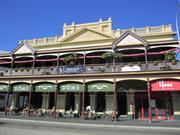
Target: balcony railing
{"x": 92, "y": 69}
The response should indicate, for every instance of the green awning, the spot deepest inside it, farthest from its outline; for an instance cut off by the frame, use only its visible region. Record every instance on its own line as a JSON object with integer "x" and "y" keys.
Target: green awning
{"x": 71, "y": 87}
{"x": 21, "y": 88}
{"x": 100, "y": 87}
{"x": 4, "y": 87}
{"x": 45, "y": 87}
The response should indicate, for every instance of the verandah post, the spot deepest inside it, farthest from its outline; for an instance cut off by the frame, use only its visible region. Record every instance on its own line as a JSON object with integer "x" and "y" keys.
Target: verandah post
{"x": 115, "y": 100}
{"x": 7, "y": 98}
{"x": 83, "y": 99}
{"x": 149, "y": 101}
{"x": 30, "y": 99}
{"x": 55, "y": 99}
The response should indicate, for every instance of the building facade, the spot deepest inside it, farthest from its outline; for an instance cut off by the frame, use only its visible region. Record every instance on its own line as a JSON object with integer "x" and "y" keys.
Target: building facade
{"x": 132, "y": 72}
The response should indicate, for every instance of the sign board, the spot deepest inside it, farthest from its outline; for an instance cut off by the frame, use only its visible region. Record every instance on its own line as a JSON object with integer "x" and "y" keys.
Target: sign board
{"x": 131, "y": 68}
{"x": 100, "y": 87}
{"x": 71, "y": 70}
{"x": 45, "y": 87}
{"x": 21, "y": 88}
{"x": 71, "y": 87}
{"x": 4, "y": 88}
{"x": 165, "y": 85}
{"x": 153, "y": 103}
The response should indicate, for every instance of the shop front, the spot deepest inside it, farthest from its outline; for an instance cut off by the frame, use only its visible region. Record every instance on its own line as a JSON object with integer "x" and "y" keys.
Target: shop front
{"x": 70, "y": 96}
{"x": 169, "y": 89}
{"x": 161, "y": 107}
{"x": 164, "y": 100}
{"x": 20, "y": 95}
{"x": 43, "y": 96}
{"x": 3, "y": 95}
{"x": 101, "y": 95}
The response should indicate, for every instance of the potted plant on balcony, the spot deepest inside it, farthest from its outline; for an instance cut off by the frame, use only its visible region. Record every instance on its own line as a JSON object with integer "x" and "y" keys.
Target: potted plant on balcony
{"x": 170, "y": 57}
{"x": 71, "y": 59}
{"x": 109, "y": 56}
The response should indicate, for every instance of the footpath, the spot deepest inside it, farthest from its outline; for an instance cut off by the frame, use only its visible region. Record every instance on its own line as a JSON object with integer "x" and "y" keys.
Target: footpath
{"x": 98, "y": 122}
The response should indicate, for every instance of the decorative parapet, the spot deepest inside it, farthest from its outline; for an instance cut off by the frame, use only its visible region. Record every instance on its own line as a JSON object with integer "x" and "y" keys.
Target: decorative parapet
{"x": 43, "y": 41}
{"x": 163, "y": 29}
{"x": 146, "y": 30}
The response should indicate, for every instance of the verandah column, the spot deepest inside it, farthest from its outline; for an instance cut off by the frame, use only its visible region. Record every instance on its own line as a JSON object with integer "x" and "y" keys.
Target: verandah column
{"x": 84, "y": 62}
{"x": 115, "y": 100}
{"x": 57, "y": 64}
{"x": 55, "y": 99}
{"x": 149, "y": 101}
{"x": 30, "y": 99}
{"x": 7, "y": 98}
{"x": 83, "y": 98}
{"x": 34, "y": 60}
{"x": 12, "y": 64}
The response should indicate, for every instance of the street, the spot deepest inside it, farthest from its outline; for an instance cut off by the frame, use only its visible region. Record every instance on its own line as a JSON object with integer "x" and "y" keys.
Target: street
{"x": 30, "y": 127}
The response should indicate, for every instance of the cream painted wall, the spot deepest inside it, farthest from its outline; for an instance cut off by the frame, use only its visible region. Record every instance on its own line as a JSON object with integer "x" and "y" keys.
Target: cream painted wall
{"x": 176, "y": 104}
{"x": 45, "y": 101}
{"x": 110, "y": 102}
{"x": 77, "y": 102}
{"x": 61, "y": 102}
{"x": 14, "y": 99}
{"x": 93, "y": 101}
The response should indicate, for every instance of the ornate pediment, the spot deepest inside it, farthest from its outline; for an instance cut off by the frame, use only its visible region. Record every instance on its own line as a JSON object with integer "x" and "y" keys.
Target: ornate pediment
{"x": 85, "y": 35}
{"x": 23, "y": 48}
{"x": 129, "y": 38}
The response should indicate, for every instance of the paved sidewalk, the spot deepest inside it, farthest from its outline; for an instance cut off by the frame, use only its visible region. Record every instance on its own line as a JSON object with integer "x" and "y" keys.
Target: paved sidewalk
{"x": 140, "y": 123}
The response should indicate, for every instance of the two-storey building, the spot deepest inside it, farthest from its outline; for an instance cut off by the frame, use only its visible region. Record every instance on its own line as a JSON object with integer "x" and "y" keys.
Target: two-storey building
{"x": 92, "y": 64}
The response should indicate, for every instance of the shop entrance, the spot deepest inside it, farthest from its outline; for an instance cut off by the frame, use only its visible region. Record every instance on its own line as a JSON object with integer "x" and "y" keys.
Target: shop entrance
{"x": 70, "y": 101}
{"x": 161, "y": 105}
{"x": 141, "y": 106}
{"x": 121, "y": 103}
{"x": 100, "y": 102}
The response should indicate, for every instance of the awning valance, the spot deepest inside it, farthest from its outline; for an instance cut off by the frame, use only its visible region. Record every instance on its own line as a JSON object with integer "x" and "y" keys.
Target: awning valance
{"x": 21, "y": 87}
{"x": 71, "y": 87}
{"x": 4, "y": 87}
{"x": 45, "y": 87}
{"x": 100, "y": 87}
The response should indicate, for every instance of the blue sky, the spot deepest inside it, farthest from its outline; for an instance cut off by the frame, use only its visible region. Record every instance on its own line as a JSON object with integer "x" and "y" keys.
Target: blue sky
{"x": 29, "y": 19}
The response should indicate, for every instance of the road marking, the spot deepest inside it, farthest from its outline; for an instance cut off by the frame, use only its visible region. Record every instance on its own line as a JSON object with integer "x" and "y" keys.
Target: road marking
{"x": 90, "y": 125}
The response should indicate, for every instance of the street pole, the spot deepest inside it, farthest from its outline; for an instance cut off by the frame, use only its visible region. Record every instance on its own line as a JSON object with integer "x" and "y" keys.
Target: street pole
{"x": 177, "y": 28}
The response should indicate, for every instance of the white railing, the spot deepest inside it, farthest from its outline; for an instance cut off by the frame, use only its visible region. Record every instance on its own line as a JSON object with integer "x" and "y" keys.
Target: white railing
{"x": 148, "y": 30}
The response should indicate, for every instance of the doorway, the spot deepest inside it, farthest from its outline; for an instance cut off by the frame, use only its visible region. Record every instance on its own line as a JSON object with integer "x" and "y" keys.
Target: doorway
{"x": 121, "y": 103}
{"x": 70, "y": 101}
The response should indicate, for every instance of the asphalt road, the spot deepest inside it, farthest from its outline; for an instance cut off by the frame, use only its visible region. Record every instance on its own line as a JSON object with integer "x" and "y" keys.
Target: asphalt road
{"x": 14, "y": 127}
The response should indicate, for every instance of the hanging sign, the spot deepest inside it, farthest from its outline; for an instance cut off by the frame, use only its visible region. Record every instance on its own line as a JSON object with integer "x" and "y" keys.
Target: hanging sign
{"x": 165, "y": 85}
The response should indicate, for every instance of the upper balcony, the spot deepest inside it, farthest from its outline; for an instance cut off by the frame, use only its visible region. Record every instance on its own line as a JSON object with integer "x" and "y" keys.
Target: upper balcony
{"x": 92, "y": 69}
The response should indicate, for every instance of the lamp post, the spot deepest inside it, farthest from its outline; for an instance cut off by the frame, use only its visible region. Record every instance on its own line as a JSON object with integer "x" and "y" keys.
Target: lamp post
{"x": 177, "y": 28}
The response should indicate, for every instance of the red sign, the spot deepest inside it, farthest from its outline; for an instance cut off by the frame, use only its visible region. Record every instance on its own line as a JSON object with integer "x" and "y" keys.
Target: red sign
{"x": 165, "y": 85}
